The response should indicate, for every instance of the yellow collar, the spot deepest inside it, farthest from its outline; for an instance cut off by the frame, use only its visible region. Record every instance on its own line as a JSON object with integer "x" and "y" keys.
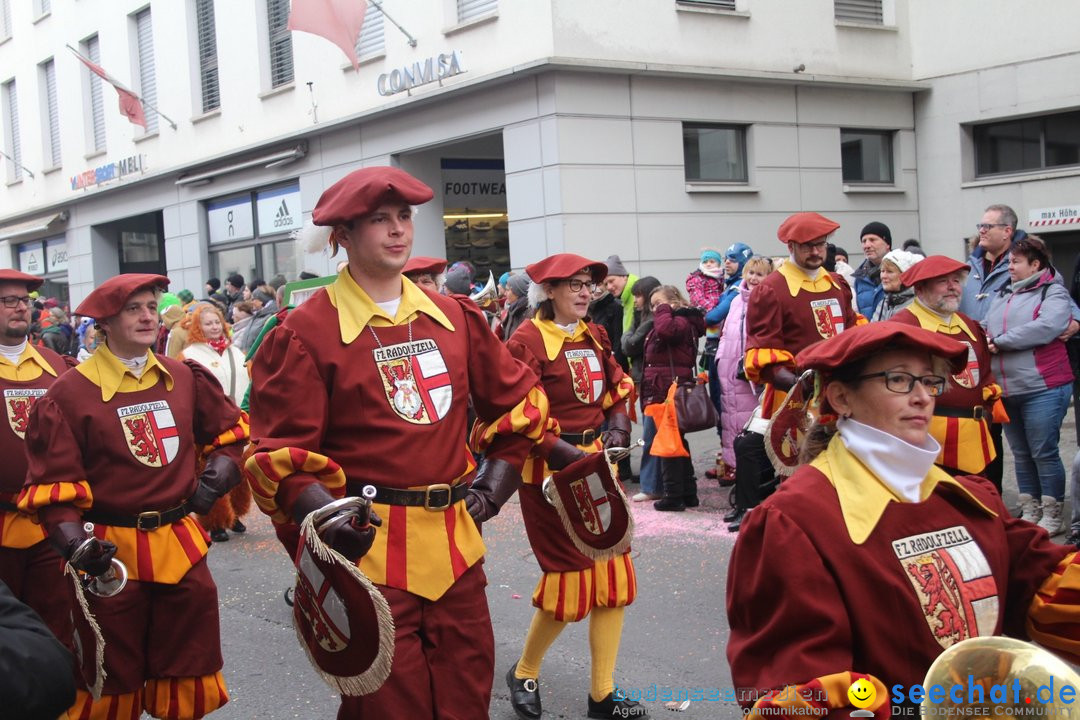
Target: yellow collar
{"x": 16, "y": 371}
{"x": 554, "y": 336}
{"x": 107, "y": 372}
{"x": 930, "y": 320}
{"x": 797, "y": 279}
{"x": 863, "y": 498}
{"x": 356, "y": 308}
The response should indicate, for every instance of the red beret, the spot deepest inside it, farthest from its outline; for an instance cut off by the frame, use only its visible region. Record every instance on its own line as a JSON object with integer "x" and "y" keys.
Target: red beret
{"x": 109, "y": 297}
{"x": 805, "y": 227}
{"x": 565, "y": 265}
{"x": 865, "y": 340}
{"x": 932, "y": 267}
{"x": 32, "y": 282}
{"x": 420, "y": 264}
{"x": 363, "y": 191}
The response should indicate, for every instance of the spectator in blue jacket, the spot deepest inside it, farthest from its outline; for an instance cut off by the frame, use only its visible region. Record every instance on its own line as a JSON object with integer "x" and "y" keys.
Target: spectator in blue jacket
{"x": 876, "y": 239}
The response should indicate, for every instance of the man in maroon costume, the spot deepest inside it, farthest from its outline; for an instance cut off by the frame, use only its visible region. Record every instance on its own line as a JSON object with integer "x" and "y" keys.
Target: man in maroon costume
{"x": 366, "y": 383}
{"x": 115, "y": 443}
{"x": 28, "y": 564}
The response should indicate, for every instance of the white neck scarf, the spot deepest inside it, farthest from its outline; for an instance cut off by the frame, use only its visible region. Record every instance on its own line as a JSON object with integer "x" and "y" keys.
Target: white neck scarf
{"x": 711, "y": 272}
{"x": 947, "y": 319}
{"x": 13, "y": 352}
{"x": 568, "y": 329}
{"x": 135, "y": 365}
{"x": 899, "y": 464}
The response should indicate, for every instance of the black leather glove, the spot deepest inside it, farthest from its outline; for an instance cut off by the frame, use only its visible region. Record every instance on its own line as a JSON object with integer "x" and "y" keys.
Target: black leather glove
{"x": 618, "y": 432}
{"x": 562, "y": 454}
{"x": 220, "y": 475}
{"x": 783, "y": 378}
{"x": 67, "y": 537}
{"x": 345, "y": 531}
{"x": 496, "y": 481}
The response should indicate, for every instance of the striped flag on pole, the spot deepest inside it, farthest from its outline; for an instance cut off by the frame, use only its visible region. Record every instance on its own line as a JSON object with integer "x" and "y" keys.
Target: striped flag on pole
{"x": 130, "y": 104}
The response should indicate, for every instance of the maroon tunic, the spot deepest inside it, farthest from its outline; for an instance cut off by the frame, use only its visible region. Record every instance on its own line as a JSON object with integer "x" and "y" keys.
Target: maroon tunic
{"x": 805, "y": 601}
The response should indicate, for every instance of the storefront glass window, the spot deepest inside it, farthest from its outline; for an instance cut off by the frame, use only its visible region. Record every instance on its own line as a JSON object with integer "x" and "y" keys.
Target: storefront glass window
{"x": 249, "y": 233}
{"x": 474, "y": 215}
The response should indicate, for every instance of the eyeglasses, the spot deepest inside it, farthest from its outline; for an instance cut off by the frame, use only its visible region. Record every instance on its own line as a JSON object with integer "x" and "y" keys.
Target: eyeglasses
{"x": 577, "y": 285}
{"x": 12, "y": 301}
{"x": 984, "y": 227}
{"x": 904, "y": 382}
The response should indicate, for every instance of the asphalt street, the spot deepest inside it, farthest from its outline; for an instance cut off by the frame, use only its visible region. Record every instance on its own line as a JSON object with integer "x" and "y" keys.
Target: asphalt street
{"x": 674, "y": 635}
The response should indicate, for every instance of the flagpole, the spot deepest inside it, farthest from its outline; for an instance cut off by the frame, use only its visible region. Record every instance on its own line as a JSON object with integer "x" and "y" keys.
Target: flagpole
{"x": 17, "y": 164}
{"x": 117, "y": 84}
{"x": 377, "y": 4}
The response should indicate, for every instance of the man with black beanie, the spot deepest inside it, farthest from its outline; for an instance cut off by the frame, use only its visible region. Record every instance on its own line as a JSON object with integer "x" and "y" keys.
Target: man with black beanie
{"x": 876, "y": 241}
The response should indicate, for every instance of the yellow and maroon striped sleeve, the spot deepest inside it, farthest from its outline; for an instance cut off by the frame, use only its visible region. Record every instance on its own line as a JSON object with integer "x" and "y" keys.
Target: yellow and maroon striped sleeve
{"x": 757, "y": 359}
{"x": 237, "y": 434}
{"x": 513, "y": 434}
{"x": 991, "y": 392}
{"x": 618, "y": 393}
{"x": 1053, "y": 618}
{"x": 265, "y": 471}
{"x": 36, "y": 496}
{"x": 819, "y": 696}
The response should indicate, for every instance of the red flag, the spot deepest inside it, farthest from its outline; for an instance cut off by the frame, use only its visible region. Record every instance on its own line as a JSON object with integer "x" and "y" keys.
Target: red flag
{"x": 339, "y": 21}
{"x": 130, "y": 105}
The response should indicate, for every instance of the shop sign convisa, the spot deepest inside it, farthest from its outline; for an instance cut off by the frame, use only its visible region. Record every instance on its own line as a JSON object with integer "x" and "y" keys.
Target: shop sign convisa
{"x": 433, "y": 69}
{"x": 105, "y": 173}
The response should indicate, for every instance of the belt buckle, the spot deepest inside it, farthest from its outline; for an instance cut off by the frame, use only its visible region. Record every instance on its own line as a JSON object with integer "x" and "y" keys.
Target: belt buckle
{"x": 588, "y": 437}
{"x": 438, "y": 487}
{"x": 978, "y": 412}
{"x": 152, "y": 516}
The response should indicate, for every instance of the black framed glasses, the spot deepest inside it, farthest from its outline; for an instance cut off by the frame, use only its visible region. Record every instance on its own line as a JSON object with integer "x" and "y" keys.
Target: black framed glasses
{"x": 903, "y": 383}
{"x": 983, "y": 227}
{"x": 12, "y": 301}
{"x": 576, "y": 285}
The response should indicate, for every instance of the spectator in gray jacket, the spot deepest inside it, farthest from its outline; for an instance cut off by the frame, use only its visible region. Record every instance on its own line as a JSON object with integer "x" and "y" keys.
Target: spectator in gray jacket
{"x": 1024, "y": 323}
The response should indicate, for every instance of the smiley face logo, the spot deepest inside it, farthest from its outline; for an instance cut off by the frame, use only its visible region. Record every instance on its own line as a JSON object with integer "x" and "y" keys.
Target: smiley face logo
{"x": 862, "y": 694}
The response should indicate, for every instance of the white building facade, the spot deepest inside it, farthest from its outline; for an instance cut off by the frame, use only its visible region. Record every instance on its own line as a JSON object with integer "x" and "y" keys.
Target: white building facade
{"x": 649, "y": 129}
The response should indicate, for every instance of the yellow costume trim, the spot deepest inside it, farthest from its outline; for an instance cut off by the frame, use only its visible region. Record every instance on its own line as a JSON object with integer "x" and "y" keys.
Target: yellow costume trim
{"x": 35, "y": 497}
{"x": 106, "y": 371}
{"x": 29, "y": 366}
{"x": 816, "y": 697}
{"x": 555, "y": 337}
{"x": 757, "y": 359}
{"x": 264, "y": 472}
{"x": 864, "y": 497}
{"x": 356, "y": 308}
{"x": 797, "y": 279}
{"x": 930, "y": 320}
{"x": 1055, "y": 610}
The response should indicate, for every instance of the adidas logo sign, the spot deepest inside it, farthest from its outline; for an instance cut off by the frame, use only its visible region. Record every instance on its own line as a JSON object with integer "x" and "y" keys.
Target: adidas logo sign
{"x": 283, "y": 218}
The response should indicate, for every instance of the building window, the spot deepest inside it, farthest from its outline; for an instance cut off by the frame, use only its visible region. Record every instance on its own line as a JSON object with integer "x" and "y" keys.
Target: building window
{"x": 249, "y": 232}
{"x": 715, "y": 153}
{"x": 5, "y": 19}
{"x": 1028, "y": 144}
{"x": 860, "y": 11}
{"x": 281, "y": 58}
{"x": 42, "y": 8}
{"x": 92, "y": 50}
{"x": 372, "y": 40}
{"x": 866, "y": 156}
{"x": 147, "y": 78}
{"x": 208, "y": 57}
{"x": 473, "y": 9}
{"x": 52, "y": 113}
{"x": 12, "y": 145}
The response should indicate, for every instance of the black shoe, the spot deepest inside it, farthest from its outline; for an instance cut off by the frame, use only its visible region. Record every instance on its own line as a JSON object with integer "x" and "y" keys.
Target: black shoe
{"x": 732, "y": 515}
{"x": 524, "y": 695}
{"x": 609, "y": 707}
{"x": 671, "y": 504}
{"x": 239, "y": 527}
{"x": 289, "y": 595}
{"x": 1073, "y": 538}
{"x": 219, "y": 535}
{"x": 691, "y": 501}
{"x": 737, "y": 522}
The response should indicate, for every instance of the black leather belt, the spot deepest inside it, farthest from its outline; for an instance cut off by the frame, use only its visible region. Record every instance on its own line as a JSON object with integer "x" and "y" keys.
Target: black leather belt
{"x": 583, "y": 438}
{"x": 145, "y": 521}
{"x": 8, "y": 507}
{"x": 973, "y": 413}
{"x": 435, "y": 498}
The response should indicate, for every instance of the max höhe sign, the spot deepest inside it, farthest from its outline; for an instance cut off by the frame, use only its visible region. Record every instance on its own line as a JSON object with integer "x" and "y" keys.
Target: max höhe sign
{"x": 105, "y": 173}
{"x": 421, "y": 72}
